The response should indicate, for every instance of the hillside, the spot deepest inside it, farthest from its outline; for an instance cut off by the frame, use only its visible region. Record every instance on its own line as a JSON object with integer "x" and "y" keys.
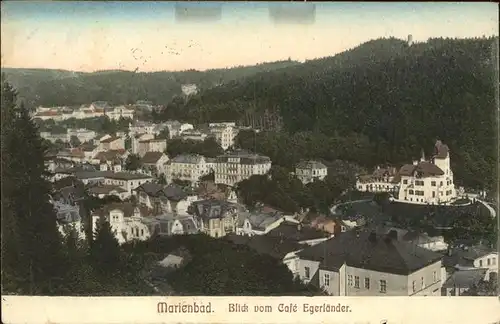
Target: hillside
{"x": 384, "y": 99}
{"x": 58, "y": 87}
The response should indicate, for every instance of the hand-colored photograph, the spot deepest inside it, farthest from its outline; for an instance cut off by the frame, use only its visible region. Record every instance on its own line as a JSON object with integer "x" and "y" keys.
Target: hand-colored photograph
{"x": 327, "y": 149}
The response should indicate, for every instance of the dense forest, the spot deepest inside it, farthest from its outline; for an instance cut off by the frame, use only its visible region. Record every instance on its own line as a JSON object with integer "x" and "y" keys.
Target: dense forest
{"x": 378, "y": 103}
{"x": 65, "y": 88}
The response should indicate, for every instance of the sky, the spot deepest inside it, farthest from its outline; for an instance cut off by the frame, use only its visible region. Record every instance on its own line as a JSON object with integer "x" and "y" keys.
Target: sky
{"x": 158, "y": 36}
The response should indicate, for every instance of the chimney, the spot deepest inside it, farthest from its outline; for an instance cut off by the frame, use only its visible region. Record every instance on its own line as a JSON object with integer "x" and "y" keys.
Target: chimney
{"x": 422, "y": 155}
{"x": 415, "y": 162}
{"x": 372, "y": 237}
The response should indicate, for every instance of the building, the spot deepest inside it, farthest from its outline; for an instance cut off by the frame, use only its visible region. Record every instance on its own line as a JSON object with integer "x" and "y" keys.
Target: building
{"x": 224, "y": 134}
{"x": 362, "y": 263}
{"x": 151, "y": 145}
{"x": 53, "y": 137}
{"x": 155, "y": 162}
{"x": 308, "y": 171}
{"x": 83, "y": 135}
{"x": 136, "y": 138}
{"x": 126, "y": 180}
{"x": 460, "y": 282}
{"x": 68, "y": 218}
{"x": 216, "y": 218}
{"x": 383, "y": 179}
{"x": 110, "y": 157}
{"x": 165, "y": 199}
{"x": 189, "y": 167}
{"x": 112, "y": 143}
{"x": 428, "y": 182}
{"x": 474, "y": 257}
{"x": 169, "y": 224}
{"x": 125, "y": 220}
{"x": 141, "y": 127}
{"x": 120, "y": 112}
{"x": 239, "y": 165}
{"x": 189, "y": 89}
{"x": 257, "y": 223}
{"x": 101, "y": 191}
{"x": 193, "y": 135}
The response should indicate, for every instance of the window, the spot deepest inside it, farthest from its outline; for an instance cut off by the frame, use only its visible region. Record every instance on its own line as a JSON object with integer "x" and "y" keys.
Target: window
{"x": 493, "y": 261}
{"x": 405, "y": 181}
{"x": 433, "y": 183}
{"x": 307, "y": 271}
{"x": 326, "y": 279}
{"x": 433, "y": 194}
{"x": 383, "y": 286}
{"x": 423, "y": 283}
{"x": 410, "y": 192}
{"x": 434, "y": 276}
{"x": 480, "y": 263}
{"x": 349, "y": 280}
{"x": 356, "y": 282}
{"x": 414, "y": 286}
{"x": 367, "y": 283}
{"x": 488, "y": 262}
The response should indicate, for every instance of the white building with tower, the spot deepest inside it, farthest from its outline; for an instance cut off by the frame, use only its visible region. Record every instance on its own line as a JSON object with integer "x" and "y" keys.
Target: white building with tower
{"x": 428, "y": 181}
{"x": 410, "y": 40}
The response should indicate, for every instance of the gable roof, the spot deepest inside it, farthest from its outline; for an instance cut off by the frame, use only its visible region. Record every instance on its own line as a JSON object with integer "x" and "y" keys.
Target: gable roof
{"x": 465, "y": 278}
{"x": 259, "y": 221}
{"x": 110, "y": 155}
{"x": 110, "y": 139}
{"x": 310, "y": 165}
{"x": 296, "y": 232}
{"x": 211, "y": 208}
{"x": 151, "y": 189}
{"x": 273, "y": 246}
{"x": 362, "y": 249}
{"x": 425, "y": 168}
{"x": 152, "y": 157}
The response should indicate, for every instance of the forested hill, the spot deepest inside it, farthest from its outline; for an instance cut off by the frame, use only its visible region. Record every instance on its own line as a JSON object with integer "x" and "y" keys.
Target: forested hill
{"x": 398, "y": 97}
{"x": 59, "y": 87}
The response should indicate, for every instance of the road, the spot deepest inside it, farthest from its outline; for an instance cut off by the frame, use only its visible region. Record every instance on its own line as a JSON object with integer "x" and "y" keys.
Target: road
{"x": 333, "y": 210}
{"x": 492, "y": 211}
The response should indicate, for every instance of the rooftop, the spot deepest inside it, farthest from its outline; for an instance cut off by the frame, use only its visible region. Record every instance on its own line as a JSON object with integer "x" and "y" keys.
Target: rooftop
{"x": 152, "y": 157}
{"x": 366, "y": 250}
{"x": 310, "y": 165}
{"x": 465, "y": 278}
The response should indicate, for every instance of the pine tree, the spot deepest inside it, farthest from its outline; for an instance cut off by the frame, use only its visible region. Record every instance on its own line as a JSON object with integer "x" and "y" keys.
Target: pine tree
{"x": 105, "y": 252}
{"x": 31, "y": 243}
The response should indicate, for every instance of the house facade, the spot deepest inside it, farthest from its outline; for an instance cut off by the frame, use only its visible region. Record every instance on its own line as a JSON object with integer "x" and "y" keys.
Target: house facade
{"x": 188, "y": 167}
{"x": 383, "y": 179}
{"x": 428, "y": 182}
{"x": 155, "y": 162}
{"x": 224, "y": 134}
{"x": 239, "y": 165}
{"x": 126, "y": 180}
{"x": 216, "y": 218}
{"x": 308, "y": 171}
{"x": 112, "y": 143}
{"x": 359, "y": 263}
{"x": 151, "y": 145}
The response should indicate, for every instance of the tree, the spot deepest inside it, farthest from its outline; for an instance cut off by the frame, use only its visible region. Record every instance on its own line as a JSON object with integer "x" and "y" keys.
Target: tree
{"x": 105, "y": 253}
{"x": 32, "y": 256}
{"x": 74, "y": 141}
{"x": 133, "y": 162}
{"x": 128, "y": 142}
{"x": 164, "y": 134}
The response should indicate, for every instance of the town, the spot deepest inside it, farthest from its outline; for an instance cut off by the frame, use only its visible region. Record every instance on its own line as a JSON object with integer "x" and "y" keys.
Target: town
{"x": 360, "y": 174}
{"x": 149, "y": 193}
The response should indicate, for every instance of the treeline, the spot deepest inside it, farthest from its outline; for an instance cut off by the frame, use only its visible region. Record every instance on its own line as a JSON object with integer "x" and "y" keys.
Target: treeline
{"x": 398, "y": 97}
{"x": 37, "y": 259}
{"x": 217, "y": 267}
{"x": 284, "y": 191}
{"x": 66, "y": 88}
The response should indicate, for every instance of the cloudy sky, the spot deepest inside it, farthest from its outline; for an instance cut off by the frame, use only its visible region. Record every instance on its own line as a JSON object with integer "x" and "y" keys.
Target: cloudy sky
{"x": 154, "y": 36}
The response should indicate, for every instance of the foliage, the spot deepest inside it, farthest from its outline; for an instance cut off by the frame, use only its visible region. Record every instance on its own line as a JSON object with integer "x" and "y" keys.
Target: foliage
{"x": 208, "y": 177}
{"x": 101, "y": 125}
{"x": 67, "y": 88}
{"x": 74, "y": 141}
{"x": 380, "y": 102}
{"x": 133, "y": 162}
{"x": 218, "y": 267}
{"x": 32, "y": 254}
{"x": 208, "y": 148}
{"x": 286, "y": 192}
{"x": 164, "y": 134}
{"x": 105, "y": 253}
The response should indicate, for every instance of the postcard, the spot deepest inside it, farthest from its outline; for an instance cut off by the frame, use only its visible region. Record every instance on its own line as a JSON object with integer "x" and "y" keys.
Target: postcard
{"x": 249, "y": 162}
